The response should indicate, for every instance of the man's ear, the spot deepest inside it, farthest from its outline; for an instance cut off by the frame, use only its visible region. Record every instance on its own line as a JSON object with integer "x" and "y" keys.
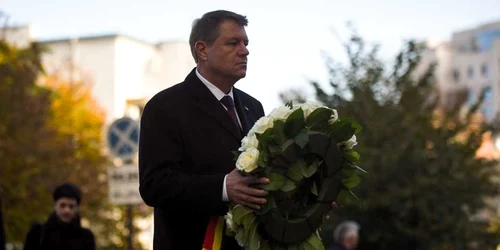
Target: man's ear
{"x": 201, "y": 50}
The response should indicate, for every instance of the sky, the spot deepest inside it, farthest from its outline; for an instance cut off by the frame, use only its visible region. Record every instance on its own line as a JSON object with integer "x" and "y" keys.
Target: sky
{"x": 286, "y": 37}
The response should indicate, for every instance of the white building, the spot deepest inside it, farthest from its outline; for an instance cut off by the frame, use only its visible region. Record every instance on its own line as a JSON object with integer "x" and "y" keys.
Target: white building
{"x": 470, "y": 62}
{"x": 121, "y": 69}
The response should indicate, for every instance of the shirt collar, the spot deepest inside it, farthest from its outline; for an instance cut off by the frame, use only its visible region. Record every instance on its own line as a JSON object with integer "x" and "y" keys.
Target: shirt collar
{"x": 215, "y": 91}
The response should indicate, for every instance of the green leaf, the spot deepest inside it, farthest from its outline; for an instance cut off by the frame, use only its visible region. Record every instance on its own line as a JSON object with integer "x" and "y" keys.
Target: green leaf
{"x": 305, "y": 245}
{"x": 279, "y": 132}
{"x": 239, "y": 212}
{"x": 342, "y": 130}
{"x": 302, "y": 138}
{"x": 289, "y": 186}
{"x": 289, "y": 150}
{"x": 314, "y": 189}
{"x": 274, "y": 149}
{"x": 265, "y": 138}
{"x": 318, "y": 119}
{"x": 236, "y": 154}
{"x": 254, "y": 238}
{"x": 311, "y": 170}
{"x": 295, "y": 173}
{"x": 249, "y": 220}
{"x": 360, "y": 169}
{"x": 268, "y": 206}
{"x": 352, "y": 181}
{"x": 294, "y": 123}
{"x": 346, "y": 197}
{"x": 318, "y": 142}
{"x": 351, "y": 155}
{"x": 276, "y": 182}
{"x": 315, "y": 242}
{"x": 263, "y": 156}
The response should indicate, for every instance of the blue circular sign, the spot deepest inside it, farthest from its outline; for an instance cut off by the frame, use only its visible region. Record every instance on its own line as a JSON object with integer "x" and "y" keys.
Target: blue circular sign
{"x": 123, "y": 138}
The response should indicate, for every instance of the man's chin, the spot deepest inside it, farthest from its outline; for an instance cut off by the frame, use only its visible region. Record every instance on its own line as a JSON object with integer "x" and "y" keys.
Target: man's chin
{"x": 241, "y": 74}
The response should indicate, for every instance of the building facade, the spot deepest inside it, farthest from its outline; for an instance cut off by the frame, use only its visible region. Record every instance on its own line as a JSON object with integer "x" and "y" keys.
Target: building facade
{"x": 470, "y": 62}
{"x": 121, "y": 70}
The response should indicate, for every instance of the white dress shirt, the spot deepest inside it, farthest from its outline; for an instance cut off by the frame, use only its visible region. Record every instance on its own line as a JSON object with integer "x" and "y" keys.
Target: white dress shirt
{"x": 219, "y": 95}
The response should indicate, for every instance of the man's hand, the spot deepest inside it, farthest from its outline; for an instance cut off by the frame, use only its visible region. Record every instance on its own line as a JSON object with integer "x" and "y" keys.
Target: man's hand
{"x": 239, "y": 192}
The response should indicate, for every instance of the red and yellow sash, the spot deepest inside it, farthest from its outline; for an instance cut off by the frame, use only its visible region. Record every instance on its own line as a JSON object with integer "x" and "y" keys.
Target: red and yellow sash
{"x": 213, "y": 236}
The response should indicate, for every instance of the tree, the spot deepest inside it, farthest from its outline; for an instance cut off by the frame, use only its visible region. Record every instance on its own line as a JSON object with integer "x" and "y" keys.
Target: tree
{"x": 425, "y": 186}
{"x": 26, "y": 150}
{"x": 51, "y": 131}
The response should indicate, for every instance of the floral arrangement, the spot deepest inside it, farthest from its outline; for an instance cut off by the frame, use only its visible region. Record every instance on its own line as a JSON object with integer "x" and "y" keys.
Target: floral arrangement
{"x": 307, "y": 153}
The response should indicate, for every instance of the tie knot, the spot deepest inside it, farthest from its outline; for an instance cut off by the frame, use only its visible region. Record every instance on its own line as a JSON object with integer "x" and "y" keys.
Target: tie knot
{"x": 227, "y": 101}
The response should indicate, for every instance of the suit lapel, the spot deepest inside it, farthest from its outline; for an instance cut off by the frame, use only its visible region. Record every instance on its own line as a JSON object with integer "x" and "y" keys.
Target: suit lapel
{"x": 206, "y": 102}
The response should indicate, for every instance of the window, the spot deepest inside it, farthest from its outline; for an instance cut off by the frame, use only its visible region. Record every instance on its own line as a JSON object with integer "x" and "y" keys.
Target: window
{"x": 484, "y": 70}
{"x": 456, "y": 75}
{"x": 471, "y": 97}
{"x": 470, "y": 72}
{"x": 487, "y": 105}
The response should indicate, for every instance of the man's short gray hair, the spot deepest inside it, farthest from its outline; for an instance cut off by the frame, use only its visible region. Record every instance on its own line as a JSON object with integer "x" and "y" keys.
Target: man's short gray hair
{"x": 345, "y": 229}
{"x": 206, "y": 28}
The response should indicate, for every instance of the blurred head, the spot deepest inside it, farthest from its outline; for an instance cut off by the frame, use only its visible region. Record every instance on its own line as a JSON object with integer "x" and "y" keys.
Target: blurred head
{"x": 347, "y": 234}
{"x": 219, "y": 44}
{"x": 67, "y": 199}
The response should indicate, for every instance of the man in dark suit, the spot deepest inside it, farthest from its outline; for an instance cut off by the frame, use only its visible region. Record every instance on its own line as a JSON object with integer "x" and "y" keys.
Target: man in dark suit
{"x": 188, "y": 132}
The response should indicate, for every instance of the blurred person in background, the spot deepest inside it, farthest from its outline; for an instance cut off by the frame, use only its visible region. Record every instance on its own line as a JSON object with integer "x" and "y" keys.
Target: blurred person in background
{"x": 62, "y": 230}
{"x": 345, "y": 236}
{"x": 2, "y": 232}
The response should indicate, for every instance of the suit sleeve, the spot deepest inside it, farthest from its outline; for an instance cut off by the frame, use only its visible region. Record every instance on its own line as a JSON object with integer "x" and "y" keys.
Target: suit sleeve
{"x": 163, "y": 181}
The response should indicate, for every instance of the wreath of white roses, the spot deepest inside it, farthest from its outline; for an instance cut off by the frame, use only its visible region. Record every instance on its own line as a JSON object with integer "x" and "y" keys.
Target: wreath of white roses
{"x": 306, "y": 152}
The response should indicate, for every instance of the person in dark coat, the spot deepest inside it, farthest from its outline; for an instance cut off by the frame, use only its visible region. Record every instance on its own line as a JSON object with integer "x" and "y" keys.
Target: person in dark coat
{"x": 3, "y": 240}
{"x": 62, "y": 230}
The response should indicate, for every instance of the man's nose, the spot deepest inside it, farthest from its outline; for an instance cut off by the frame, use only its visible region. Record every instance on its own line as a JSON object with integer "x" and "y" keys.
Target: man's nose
{"x": 244, "y": 50}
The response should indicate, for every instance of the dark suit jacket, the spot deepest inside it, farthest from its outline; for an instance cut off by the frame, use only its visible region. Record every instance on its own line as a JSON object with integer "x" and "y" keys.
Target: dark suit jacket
{"x": 185, "y": 149}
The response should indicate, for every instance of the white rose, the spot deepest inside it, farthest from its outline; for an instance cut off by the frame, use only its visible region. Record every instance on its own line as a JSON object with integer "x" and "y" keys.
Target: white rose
{"x": 262, "y": 125}
{"x": 280, "y": 113}
{"x": 229, "y": 221}
{"x": 249, "y": 141}
{"x": 334, "y": 117}
{"x": 308, "y": 107}
{"x": 351, "y": 142}
{"x": 247, "y": 161}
